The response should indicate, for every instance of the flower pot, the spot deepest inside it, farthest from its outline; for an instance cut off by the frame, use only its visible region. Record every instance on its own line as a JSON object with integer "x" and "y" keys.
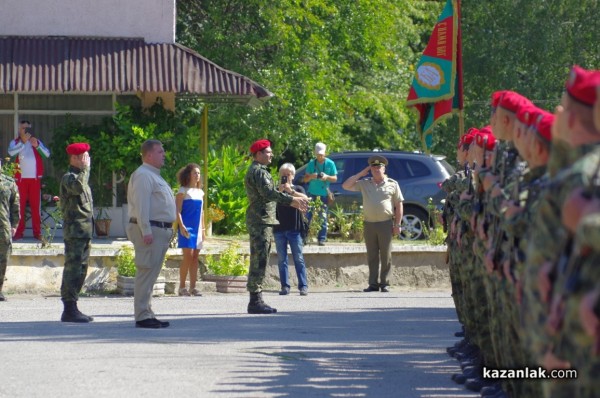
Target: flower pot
{"x": 125, "y": 285}
{"x": 228, "y": 284}
{"x": 102, "y": 227}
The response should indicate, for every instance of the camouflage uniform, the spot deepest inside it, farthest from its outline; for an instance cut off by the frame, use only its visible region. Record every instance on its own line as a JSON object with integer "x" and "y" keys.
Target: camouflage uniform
{"x": 77, "y": 207}
{"x": 450, "y": 186}
{"x": 576, "y": 275}
{"x": 9, "y": 218}
{"x": 260, "y": 218}
{"x": 546, "y": 242}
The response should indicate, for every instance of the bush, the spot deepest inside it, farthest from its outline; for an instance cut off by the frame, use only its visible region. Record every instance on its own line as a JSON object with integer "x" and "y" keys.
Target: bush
{"x": 226, "y": 190}
{"x": 125, "y": 262}
{"x": 230, "y": 262}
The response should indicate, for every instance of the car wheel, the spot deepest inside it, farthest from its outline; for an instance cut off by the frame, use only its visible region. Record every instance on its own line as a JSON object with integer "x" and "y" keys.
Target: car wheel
{"x": 414, "y": 223}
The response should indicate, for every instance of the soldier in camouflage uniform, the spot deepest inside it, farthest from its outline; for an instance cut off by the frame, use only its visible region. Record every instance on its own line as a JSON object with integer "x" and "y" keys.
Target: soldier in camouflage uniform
{"x": 9, "y": 220}
{"x": 260, "y": 218}
{"x": 77, "y": 207}
{"x": 566, "y": 345}
{"x": 453, "y": 188}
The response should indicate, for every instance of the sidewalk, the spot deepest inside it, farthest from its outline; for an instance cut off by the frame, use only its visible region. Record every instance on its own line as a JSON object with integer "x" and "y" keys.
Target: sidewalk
{"x": 322, "y": 345}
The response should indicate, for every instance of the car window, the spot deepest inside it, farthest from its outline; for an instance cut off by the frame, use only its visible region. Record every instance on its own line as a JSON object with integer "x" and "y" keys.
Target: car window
{"x": 447, "y": 166}
{"x": 414, "y": 169}
{"x": 396, "y": 169}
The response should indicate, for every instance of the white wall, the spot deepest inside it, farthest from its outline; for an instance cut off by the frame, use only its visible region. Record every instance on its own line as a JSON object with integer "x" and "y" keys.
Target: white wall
{"x": 154, "y": 20}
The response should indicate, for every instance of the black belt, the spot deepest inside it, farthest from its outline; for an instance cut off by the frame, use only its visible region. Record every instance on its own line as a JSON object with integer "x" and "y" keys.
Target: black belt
{"x": 153, "y": 223}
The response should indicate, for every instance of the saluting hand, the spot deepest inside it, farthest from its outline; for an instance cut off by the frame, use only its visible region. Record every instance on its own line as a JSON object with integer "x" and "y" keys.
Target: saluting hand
{"x": 86, "y": 160}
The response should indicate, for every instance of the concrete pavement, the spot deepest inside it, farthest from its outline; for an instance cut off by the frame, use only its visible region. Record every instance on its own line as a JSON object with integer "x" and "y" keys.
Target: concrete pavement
{"x": 350, "y": 344}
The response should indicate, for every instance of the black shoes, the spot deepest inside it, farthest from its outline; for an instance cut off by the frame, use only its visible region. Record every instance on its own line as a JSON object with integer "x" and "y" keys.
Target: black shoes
{"x": 72, "y": 314}
{"x": 151, "y": 323}
{"x": 304, "y": 291}
{"x": 2, "y": 298}
{"x": 258, "y": 306}
{"x": 371, "y": 288}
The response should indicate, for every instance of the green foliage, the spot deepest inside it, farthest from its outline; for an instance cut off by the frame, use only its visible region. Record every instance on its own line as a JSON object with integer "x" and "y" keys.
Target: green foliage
{"x": 115, "y": 145}
{"x": 227, "y": 168}
{"x": 339, "y": 69}
{"x": 125, "y": 262}
{"x": 49, "y": 231}
{"x": 349, "y": 225}
{"x": 317, "y": 208}
{"x": 435, "y": 235}
{"x": 230, "y": 262}
{"x": 9, "y": 168}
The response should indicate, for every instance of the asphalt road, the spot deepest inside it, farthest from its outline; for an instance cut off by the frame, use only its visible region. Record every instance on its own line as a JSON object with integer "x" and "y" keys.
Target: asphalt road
{"x": 342, "y": 344}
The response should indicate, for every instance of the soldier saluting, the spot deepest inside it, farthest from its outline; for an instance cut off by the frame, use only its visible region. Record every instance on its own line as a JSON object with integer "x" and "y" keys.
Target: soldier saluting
{"x": 77, "y": 207}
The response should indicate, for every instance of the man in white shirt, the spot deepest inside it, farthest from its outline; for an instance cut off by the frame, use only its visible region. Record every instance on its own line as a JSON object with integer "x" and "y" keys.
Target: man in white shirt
{"x": 152, "y": 211}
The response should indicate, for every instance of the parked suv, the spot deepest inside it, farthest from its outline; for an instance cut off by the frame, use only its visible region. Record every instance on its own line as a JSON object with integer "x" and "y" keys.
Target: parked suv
{"x": 420, "y": 177}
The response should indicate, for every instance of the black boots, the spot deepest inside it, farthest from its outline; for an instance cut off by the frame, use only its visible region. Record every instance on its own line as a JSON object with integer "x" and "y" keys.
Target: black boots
{"x": 72, "y": 314}
{"x": 258, "y": 306}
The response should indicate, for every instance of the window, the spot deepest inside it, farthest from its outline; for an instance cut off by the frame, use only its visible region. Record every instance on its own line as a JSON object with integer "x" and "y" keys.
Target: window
{"x": 415, "y": 168}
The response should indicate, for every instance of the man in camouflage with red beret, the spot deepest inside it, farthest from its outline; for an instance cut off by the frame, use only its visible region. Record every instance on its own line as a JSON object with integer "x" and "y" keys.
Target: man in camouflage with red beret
{"x": 263, "y": 197}
{"x": 77, "y": 208}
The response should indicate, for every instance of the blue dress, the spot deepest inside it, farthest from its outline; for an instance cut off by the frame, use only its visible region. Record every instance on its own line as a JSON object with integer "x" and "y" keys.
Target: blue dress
{"x": 191, "y": 214}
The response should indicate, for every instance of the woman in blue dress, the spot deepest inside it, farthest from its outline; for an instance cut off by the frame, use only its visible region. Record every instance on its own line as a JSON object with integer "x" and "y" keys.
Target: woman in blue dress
{"x": 190, "y": 219}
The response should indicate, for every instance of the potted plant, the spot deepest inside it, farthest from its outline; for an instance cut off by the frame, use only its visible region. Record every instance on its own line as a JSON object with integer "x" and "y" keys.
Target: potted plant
{"x": 229, "y": 270}
{"x": 126, "y": 273}
{"x": 102, "y": 222}
{"x": 213, "y": 214}
{"x": 102, "y": 191}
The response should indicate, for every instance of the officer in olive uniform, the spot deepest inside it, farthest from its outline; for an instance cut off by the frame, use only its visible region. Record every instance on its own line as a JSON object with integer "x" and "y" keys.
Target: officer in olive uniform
{"x": 76, "y": 206}
{"x": 9, "y": 220}
{"x": 263, "y": 197}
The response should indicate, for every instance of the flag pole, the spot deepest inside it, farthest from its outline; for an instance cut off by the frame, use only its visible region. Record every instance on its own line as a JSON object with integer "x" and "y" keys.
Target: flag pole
{"x": 459, "y": 67}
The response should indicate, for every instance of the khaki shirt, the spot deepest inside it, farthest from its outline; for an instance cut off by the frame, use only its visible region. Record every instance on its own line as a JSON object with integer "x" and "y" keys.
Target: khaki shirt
{"x": 149, "y": 197}
{"x": 379, "y": 200}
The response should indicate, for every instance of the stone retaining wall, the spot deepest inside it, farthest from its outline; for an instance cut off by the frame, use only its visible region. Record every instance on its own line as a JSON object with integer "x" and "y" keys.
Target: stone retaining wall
{"x": 335, "y": 266}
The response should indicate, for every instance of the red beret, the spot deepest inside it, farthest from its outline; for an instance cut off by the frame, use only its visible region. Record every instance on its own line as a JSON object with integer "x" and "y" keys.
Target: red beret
{"x": 484, "y": 134}
{"x": 527, "y": 114}
{"x": 470, "y": 135}
{"x": 259, "y": 145}
{"x": 78, "y": 148}
{"x": 512, "y": 101}
{"x": 581, "y": 85}
{"x": 543, "y": 125}
{"x": 496, "y": 96}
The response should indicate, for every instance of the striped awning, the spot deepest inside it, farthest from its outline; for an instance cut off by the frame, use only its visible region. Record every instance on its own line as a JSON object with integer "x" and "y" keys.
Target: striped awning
{"x": 118, "y": 65}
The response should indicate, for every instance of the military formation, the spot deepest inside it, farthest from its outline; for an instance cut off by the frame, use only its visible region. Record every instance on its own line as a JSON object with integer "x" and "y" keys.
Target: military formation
{"x": 523, "y": 222}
